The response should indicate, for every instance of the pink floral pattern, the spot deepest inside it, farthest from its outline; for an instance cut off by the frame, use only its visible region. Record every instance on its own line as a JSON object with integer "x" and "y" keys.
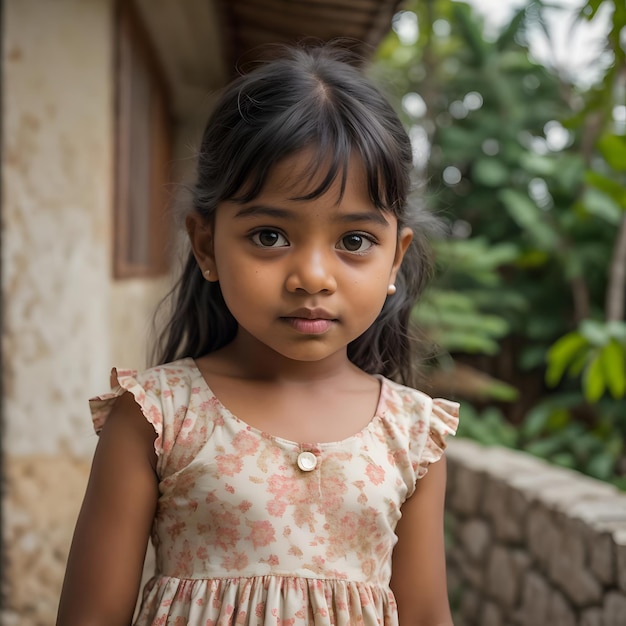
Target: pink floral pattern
{"x": 244, "y": 537}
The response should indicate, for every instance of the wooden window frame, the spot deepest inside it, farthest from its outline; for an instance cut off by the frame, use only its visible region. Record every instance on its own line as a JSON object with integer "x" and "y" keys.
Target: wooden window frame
{"x": 143, "y": 148}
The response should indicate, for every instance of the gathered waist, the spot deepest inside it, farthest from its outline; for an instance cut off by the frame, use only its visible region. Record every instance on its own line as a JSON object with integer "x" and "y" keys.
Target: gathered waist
{"x": 260, "y": 600}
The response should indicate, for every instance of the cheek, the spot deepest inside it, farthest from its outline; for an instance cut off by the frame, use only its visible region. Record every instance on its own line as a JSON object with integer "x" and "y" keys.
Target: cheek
{"x": 373, "y": 281}
{"x": 245, "y": 288}
{"x": 368, "y": 295}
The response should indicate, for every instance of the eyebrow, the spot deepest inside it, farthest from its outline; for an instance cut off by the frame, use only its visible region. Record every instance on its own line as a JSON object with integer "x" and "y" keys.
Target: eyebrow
{"x": 265, "y": 211}
{"x": 275, "y": 212}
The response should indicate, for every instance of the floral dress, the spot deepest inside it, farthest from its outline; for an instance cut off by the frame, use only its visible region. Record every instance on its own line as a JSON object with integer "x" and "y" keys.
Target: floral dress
{"x": 253, "y": 529}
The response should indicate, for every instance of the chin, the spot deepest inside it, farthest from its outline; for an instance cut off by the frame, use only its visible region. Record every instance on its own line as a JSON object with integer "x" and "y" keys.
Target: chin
{"x": 308, "y": 355}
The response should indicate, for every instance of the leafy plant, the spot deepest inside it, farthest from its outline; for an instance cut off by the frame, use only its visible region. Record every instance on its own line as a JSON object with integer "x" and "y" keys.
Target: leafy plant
{"x": 551, "y": 432}
{"x": 528, "y": 169}
{"x": 597, "y": 352}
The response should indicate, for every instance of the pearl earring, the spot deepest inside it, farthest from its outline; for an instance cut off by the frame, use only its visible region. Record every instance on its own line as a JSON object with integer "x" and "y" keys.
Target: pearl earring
{"x": 391, "y": 290}
{"x": 207, "y": 274}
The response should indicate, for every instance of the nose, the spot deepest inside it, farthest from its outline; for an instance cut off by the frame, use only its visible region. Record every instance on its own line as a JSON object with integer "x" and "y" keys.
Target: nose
{"x": 311, "y": 271}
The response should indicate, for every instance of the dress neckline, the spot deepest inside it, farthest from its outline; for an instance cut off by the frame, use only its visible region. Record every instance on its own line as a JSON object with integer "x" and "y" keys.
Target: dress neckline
{"x": 378, "y": 414}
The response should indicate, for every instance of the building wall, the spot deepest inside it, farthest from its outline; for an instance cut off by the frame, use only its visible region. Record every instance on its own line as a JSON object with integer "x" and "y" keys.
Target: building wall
{"x": 65, "y": 321}
{"x": 530, "y": 544}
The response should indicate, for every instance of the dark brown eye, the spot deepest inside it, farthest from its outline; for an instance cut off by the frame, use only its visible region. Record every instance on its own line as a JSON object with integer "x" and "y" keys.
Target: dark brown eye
{"x": 355, "y": 243}
{"x": 269, "y": 239}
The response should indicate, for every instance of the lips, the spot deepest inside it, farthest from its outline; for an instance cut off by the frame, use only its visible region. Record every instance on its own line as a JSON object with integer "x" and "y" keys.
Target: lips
{"x": 311, "y": 314}
{"x": 310, "y": 321}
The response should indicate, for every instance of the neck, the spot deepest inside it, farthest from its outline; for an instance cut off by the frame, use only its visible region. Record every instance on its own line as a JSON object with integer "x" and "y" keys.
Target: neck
{"x": 254, "y": 360}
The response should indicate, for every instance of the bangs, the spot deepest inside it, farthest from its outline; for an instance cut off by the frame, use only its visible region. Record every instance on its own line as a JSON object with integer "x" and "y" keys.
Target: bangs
{"x": 313, "y": 115}
{"x": 330, "y": 149}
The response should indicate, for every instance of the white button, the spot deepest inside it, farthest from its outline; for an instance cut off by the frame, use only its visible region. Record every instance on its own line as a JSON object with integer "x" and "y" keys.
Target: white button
{"x": 307, "y": 461}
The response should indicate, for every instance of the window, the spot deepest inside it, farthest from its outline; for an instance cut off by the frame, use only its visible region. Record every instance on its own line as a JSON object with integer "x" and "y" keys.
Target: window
{"x": 142, "y": 155}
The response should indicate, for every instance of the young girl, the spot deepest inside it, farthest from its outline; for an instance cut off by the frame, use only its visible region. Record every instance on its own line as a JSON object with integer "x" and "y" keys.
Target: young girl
{"x": 284, "y": 477}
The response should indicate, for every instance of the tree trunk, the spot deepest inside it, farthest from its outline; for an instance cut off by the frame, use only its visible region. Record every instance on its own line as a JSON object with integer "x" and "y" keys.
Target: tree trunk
{"x": 616, "y": 291}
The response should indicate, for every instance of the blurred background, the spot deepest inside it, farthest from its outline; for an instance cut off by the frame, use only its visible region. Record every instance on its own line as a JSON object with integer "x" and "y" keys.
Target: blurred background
{"x": 518, "y": 120}
{"x": 517, "y": 114}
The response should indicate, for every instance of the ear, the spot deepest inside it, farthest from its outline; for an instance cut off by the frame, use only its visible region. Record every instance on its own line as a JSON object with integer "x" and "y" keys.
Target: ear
{"x": 405, "y": 236}
{"x": 200, "y": 233}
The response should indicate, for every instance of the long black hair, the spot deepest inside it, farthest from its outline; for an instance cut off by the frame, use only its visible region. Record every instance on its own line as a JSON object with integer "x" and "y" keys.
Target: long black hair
{"x": 314, "y": 99}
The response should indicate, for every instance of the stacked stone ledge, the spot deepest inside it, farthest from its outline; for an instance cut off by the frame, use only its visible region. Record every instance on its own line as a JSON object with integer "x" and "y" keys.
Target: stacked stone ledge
{"x": 531, "y": 544}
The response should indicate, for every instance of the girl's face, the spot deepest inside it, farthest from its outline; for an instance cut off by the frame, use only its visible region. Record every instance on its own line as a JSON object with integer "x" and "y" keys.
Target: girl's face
{"x": 302, "y": 278}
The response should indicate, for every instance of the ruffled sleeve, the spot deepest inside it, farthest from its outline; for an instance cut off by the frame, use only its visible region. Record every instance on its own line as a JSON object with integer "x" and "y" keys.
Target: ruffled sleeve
{"x": 444, "y": 421}
{"x": 146, "y": 395}
{"x": 417, "y": 427}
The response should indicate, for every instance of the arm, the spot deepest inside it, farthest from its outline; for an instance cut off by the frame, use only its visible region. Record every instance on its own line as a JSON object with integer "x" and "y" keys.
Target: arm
{"x": 106, "y": 558}
{"x": 418, "y": 569}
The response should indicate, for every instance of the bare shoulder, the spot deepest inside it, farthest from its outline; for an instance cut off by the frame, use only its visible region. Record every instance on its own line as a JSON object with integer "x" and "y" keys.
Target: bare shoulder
{"x": 419, "y": 572}
{"x": 106, "y": 557}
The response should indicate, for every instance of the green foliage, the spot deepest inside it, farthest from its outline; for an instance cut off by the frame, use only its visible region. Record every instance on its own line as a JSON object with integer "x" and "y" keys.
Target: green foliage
{"x": 597, "y": 351}
{"x": 464, "y": 314}
{"x": 550, "y": 432}
{"x": 529, "y": 172}
{"x": 489, "y": 427}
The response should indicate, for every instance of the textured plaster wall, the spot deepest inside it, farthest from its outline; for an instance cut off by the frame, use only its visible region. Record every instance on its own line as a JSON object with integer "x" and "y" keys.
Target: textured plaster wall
{"x": 65, "y": 321}
{"x": 56, "y": 237}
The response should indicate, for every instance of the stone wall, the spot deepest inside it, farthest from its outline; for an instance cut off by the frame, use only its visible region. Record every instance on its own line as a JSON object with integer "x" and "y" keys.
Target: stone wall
{"x": 530, "y": 544}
